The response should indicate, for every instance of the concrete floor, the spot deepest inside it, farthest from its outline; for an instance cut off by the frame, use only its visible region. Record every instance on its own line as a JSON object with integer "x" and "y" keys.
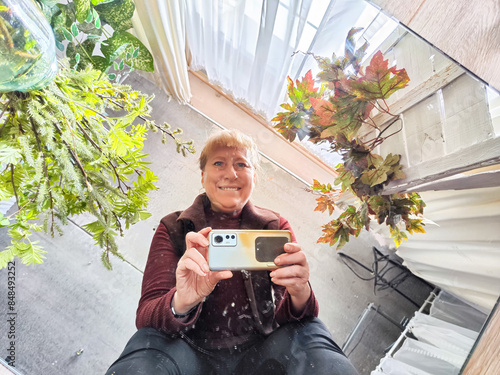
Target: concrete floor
{"x": 75, "y": 317}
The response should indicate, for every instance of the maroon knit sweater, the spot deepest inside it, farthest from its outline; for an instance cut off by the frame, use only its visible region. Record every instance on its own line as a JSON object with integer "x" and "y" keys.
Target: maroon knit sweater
{"x": 224, "y": 319}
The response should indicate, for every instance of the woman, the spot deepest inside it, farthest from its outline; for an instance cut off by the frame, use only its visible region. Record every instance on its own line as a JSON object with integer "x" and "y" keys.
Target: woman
{"x": 195, "y": 321}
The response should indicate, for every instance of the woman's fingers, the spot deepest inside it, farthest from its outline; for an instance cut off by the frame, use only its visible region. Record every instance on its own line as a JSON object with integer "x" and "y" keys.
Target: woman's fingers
{"x": 216, "y": 276}
{"x": 296, "y": 257}
{"x": 193, "y": 260}
{"x": 291, "y": 272}
{"x": 296, "y": 271}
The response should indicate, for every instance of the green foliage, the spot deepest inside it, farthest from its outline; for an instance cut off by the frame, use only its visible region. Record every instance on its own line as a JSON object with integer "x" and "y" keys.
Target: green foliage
{"x": 95, "y": 32}
{"x": 338, "y": 113}
{"x": 75, "y": 147}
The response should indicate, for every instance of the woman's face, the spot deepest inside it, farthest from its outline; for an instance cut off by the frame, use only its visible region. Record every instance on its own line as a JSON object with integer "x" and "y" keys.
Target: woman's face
{"x": 228, "y": 179}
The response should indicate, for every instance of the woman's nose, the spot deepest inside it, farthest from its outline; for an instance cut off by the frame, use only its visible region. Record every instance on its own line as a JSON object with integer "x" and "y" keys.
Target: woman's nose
{"x": 231, "y": 172}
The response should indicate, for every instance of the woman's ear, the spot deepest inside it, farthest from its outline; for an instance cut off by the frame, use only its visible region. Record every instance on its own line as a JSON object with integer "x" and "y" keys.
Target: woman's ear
{"x": 202, "y": 178}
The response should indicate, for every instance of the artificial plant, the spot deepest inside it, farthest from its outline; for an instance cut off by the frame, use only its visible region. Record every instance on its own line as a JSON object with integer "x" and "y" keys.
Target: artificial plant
{"x": 76, "y": 145}
{"x": 95, "y": 32}
{"x": 339, "y": 113}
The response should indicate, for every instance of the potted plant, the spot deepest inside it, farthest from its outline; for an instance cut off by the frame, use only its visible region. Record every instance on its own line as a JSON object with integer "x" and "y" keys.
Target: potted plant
{"x": 76, "y": 145}
{"x": 338, "y": 113}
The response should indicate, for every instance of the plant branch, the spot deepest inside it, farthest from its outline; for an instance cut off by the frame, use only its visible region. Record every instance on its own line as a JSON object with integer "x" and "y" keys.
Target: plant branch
{"x": 75, "y": 158}
{"x": 382, "y": 109}
{"x": 139, "y": 116}
{"x": 118, "y": 222}
{"x": 13, "y": 183}
{"x": 46, "y": 171}
{"x": 120, "y": 181}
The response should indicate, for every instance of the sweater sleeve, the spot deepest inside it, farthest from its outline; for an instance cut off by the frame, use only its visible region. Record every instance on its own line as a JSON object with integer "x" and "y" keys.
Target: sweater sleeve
{"x": 283, "y": 300}
{"x": 158, "y": 287}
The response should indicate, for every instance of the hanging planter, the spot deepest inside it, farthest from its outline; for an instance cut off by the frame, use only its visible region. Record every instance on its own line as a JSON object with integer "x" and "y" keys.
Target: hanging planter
{"x": 27, "y": 47}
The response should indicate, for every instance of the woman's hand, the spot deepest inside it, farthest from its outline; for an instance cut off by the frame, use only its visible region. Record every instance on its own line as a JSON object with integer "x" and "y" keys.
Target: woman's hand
{"x": 194, "y": 280}
{"x": 295, "y": 277}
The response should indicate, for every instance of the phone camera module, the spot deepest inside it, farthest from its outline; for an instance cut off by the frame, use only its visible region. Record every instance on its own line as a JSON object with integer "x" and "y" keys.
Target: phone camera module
{"x": 218, "y": 239}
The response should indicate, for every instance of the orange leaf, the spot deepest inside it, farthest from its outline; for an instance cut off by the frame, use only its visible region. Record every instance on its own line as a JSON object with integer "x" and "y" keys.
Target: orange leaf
{"x": 323, "y": 111}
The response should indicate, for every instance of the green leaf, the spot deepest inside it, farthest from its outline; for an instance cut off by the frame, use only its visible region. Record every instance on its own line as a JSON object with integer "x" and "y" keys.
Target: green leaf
{"x": 4, "y": 221}
{"x": 112, "y": 76}
{"x": 120, "y": 67}
{"x": 59, "y": 46}
{"x": 144, "y": 215}
{"x": 100, "y": 63}
{"x": 374, "y": 177}
{"x": 67, "y": 34}
{"x": 9, "y": 154}
{"x": 97, "y": 22}
{"x": 117, "y": 13}
{"x": 89, "y": 17}
{"x": 105, "y": 260}
{"x": 82, "y": 9}
{"x": 74, "y": 30}
{"x": 7, "y": 256}
{"x": 144, "y": 60}
{"x": 30, "y": 253}
{"x": 415, "y": 226}
{"x": 135, "y": 53}
{"x": 398, "y": 236}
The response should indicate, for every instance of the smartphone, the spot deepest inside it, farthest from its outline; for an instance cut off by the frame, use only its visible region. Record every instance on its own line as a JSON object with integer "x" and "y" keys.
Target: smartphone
{"x": 231, "y": 249}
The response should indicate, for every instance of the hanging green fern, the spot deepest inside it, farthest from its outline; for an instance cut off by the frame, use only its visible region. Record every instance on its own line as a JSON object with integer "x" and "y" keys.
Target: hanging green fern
{"x": 74, "y": 147}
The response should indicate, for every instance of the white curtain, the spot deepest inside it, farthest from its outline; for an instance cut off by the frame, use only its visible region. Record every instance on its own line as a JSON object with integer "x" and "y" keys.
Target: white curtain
{"x": 161, "y": 26}
{"x": 246, "y": 46}
{"x": 461, "y": 254}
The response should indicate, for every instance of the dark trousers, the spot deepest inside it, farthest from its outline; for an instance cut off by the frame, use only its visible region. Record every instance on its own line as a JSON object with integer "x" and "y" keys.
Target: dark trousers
{"x": 299, "y": 348}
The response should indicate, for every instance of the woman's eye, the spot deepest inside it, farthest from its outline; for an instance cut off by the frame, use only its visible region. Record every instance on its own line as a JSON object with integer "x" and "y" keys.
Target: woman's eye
{"x": 241, "y": 165}
{"x": 218, "y": 164}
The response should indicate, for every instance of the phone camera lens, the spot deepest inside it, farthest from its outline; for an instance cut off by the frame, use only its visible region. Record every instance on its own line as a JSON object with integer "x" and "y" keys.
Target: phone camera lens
{"x": 227, "y": 236}
{"x": 218, "y": 239}
{"x": 233, "y": 236}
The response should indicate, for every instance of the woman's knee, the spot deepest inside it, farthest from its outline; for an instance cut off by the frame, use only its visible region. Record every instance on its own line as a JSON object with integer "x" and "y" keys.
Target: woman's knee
{"x": 150, "y": 352}
{"x": 313, "y": 333}
{"x": 146, "y": 361}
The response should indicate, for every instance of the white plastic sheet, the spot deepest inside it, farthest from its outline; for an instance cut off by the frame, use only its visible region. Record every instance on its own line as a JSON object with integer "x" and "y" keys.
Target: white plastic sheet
{"x": 391, "y": 366}
{"x": 461, "y": 254}
{"x": 428, "y": 358}
{"x": 443, "y": 335}
{"x": 449, "y": 308}
{"x": 445, "y": 339}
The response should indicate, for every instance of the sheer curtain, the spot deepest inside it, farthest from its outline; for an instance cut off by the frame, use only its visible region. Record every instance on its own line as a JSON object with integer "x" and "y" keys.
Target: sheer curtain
{"x": 246, "y": 46}
{"x": 161, "y": 25}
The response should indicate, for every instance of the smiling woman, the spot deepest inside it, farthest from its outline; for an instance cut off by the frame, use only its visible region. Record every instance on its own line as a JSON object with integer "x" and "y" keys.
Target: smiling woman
{"x": 228, "y": 173}
{"x": 223, "y": 322}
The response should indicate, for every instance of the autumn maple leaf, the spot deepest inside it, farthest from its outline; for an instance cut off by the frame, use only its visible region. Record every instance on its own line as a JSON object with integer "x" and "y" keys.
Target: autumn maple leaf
{"x": 323, "y": 112}
{"x": 379, "y": 81}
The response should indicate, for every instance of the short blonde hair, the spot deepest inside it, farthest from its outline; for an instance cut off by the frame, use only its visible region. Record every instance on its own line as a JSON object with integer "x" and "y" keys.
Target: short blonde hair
{"x": 230, "y": 138}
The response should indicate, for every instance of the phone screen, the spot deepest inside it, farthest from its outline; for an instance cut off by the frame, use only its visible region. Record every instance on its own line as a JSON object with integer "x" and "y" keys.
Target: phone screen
{"x": 268, "y": 248}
